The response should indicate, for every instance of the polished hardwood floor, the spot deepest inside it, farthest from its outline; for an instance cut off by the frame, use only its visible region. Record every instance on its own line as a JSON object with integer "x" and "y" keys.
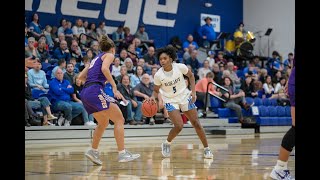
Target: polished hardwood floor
{"x": 236, "y": 157}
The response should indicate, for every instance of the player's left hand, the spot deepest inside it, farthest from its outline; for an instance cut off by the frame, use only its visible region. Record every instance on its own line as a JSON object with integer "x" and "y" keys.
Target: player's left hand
{"x": 117, "y": 94}
{"x": 194, "y": 97}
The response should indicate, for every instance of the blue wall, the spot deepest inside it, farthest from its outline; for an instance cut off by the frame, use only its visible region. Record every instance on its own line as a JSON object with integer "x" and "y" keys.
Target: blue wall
{"x": 187, "y": 16}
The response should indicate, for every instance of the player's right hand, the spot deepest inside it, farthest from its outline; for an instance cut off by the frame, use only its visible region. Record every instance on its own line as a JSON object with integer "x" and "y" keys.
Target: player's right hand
{"x": 117, "y": 94}
{"x": 152, "y": 99}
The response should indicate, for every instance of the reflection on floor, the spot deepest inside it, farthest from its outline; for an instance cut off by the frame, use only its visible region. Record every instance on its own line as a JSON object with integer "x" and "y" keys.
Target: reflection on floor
{"x": 235, "y": 157}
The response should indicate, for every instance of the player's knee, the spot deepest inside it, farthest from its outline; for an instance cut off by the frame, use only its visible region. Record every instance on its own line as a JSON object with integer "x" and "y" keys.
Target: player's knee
{"x": 288, "y": 141}
{"x": 196, "y": 125}
{"x": 179, "y": 127}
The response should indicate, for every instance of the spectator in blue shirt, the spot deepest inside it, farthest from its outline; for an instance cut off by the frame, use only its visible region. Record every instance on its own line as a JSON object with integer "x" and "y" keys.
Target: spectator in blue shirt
{"x": 60, "y": 91}
{"x": 274, "y": 63}
{"x": 62, "y": 52}
{"x": 207, "y": 33}
{"x": 37, "y": 77}
{"x": 188, "y": 42}
{"x": 118, "y": 35}
{"x": 288, "y": 62}
{"x": 194, "y": 63}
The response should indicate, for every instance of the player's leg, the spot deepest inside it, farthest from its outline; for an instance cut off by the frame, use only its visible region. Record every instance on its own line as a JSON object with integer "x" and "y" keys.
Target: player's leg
{"x": 190, "y": 111}
{"x": 175, "y": 116}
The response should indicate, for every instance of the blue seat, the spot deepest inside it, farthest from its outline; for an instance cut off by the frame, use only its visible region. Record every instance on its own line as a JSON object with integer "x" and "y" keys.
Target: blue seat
{"x": 224, "y": 112}
{"x": 36, "y": 93}
{"x": 249, "y": 100}
{"x": 281, "y": 111}
{"x": 273, "y": 102}
{"x": 199, "y": 104}
{"x": 215, "y": 102}
{"x": 263, "y": 111}
{"x": 233, "y": 120}
{"x": 266, "y": 102}
{"x": 257, "y": 101}
{"x": 272, "y": 111}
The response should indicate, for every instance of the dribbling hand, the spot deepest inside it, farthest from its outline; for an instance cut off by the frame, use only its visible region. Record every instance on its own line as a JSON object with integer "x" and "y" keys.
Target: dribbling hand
{"x": 153, "y": 99}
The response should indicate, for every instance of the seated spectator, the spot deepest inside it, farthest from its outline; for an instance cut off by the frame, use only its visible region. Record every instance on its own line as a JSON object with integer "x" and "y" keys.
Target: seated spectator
{"x": 144, "y": 65}
{"x": 220, "y": 59}
{"x": 62, "y": 52}
{"x": 128, "y": 63}
{"x": 248, "y": 88}
{"x": 102, "y": 29}
{"x": 268, "y": 88}
{"x": 77, "y": 86}
{"x": 204, "y": 70}
{"x": 150, "y": 58}
{"x": 95, "y": 48}
{"x": 123, "y": 71}
{"x": 280, "y": 88}
{"x": 143, "y": 36}
{"x": 37, "y": 77}
{"x": 75, "y": 65}
{"x": 78, "y": 28}
{"x": 92, "y": 31}
{"x": 217, "y": 74}
{"x": 144, "y": 90}
{"x": 276, "y": 78}
{"x": 274, "y": 63}
{"x": 201, "y": 90}
{"x": 153, "y": 72}
{"x": 89, "y": 53}
{"x": 187, "y": 54}
{"x": 188, "y": 42}
{"x": 257, "y": 88}
{"x": 128, "y": 38}
{"x": 210, "y": 58}
{"x": 61, "y": 65}
{"x": 116, "y": 67}
{"x": 30, "y": 117}
{"x": 30, "y": 50}
{"x": 60, "y": 91}
{"x": 194, "y": 63}
{"x": 85, "y": 60}
{"x": 132, "y": 55}
{"x": 69, "y": 74}
{"x": 136, "y": 77}
{"x": 41, "y": 102}
{"x": 236, "y": 81}
{"x": 138, "y": 47}
{"x": 133, "y": 105}
{"x": 252, "y": 68}
{"x": 57, "y": 41}
{"x": 42, "y": 37}
{"x": 287, "y": 64}
{"x": 263, "y": 75}
{"x": 76, "y": 51}
{"x": 235, "y": 99}
{"x": 47, "y": 33}
{"x": 44, "y": 54}
{"x": 118, "y": 35}
{"x": 123, "y": 55}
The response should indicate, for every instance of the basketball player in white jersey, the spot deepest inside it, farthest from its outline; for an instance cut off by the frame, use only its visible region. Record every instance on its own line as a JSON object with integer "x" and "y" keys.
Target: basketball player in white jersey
{"x": 169, "y": 81}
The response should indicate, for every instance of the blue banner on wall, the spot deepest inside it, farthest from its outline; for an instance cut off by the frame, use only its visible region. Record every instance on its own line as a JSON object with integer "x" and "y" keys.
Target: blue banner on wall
{"x": 163, "y": 19}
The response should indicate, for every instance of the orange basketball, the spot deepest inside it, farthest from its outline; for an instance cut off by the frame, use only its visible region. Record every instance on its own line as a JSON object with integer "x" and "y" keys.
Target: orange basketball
{"x": 149, "y": 108}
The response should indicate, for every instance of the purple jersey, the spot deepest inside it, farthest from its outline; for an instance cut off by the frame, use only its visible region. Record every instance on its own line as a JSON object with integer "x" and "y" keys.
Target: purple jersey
{"x": 292, "y": 77}
{"x": 94, "y": 73}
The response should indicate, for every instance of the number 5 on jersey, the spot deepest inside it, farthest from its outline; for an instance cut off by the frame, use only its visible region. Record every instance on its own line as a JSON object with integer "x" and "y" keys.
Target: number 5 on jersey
{"x": 174, "y": 89}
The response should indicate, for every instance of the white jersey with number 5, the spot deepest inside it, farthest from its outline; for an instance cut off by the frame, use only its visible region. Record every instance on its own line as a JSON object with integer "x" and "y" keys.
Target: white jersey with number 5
{"x": 173, "y": 87}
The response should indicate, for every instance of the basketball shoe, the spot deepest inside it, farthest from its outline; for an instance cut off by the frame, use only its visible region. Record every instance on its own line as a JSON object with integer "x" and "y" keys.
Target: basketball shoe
{"x": 207, "y": 153}
{"x": 166, "y": 150}
{"x": 281, "y": 174}
{"x": 127, "y": 156}
{"x": 93, "y": 156}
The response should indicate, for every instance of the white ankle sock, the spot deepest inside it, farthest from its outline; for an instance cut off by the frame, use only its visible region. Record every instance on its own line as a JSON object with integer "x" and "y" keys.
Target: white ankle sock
{"x": 168, "y": 142}
{"x": 207, "y": 148}
{"x": 281, "y": 165}
{"x": 123, "y": 151}
{"x": 94, "y": 149}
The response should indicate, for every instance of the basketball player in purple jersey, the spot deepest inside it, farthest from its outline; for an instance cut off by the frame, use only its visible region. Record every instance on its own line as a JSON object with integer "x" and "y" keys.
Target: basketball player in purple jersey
{"x": 101, "y": 105}
{"x": 280, "y": 171}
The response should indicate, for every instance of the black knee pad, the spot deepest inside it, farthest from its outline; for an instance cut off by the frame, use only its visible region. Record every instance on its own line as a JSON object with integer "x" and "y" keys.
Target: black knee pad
{"x": 288, "y": 141}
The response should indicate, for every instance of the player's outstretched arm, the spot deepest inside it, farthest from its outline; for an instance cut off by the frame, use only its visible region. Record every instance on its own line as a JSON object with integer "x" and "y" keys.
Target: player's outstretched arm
{"x": 105, "y": 68}
{"x": 155, "y": 93}
{"x": 83, "y": 74}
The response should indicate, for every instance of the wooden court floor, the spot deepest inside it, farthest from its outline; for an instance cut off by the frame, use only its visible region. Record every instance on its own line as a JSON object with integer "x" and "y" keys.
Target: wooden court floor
{"x": 236, "y": 157}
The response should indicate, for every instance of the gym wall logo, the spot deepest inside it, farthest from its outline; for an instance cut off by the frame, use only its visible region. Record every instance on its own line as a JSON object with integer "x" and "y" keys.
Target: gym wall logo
{"x": 93, "y": 9}
{"x": 215, "y": 21}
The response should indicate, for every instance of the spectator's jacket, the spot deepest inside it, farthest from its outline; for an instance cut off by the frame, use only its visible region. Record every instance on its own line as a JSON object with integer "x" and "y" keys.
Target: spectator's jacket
{"x": 127, "y": 95}
{"x": 58, "y": 54}
{"x": 59, "y": 91}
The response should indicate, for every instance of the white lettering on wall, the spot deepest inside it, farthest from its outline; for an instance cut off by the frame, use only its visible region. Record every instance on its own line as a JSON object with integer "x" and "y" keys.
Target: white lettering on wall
{"x": 152, "y": 7}
{"x": 131, "y": 19}
{"x": 28, "y": 5}
{"x": 48, "y": 6}
{"x": 69, "y": 7}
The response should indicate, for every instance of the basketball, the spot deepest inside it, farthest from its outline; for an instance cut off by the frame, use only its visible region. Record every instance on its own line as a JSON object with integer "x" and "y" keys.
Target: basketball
{"x": 149, "y": 108}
